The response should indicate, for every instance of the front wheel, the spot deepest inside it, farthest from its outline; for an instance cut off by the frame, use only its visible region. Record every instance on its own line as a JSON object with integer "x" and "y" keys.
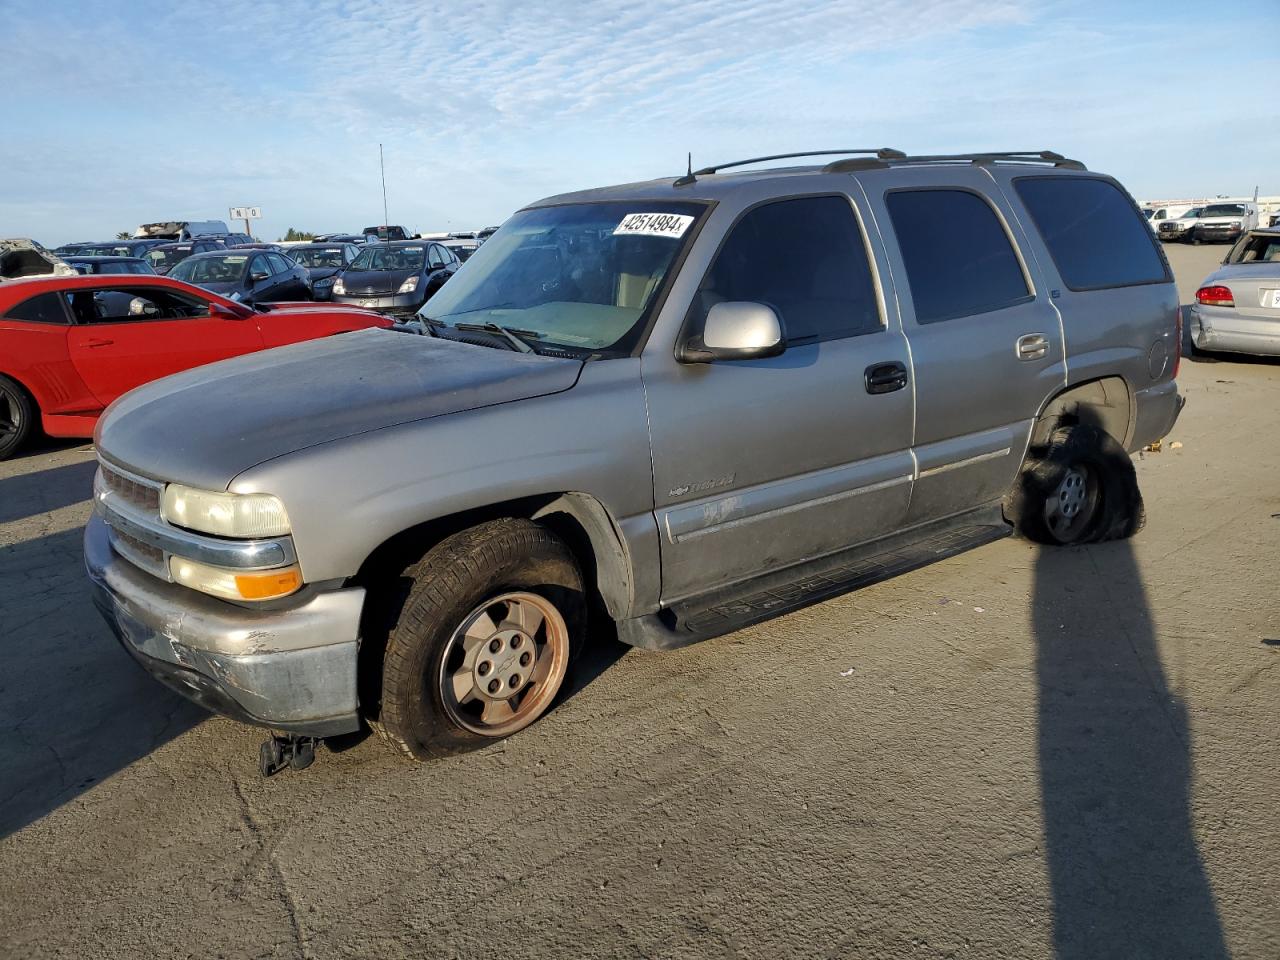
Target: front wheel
{"x": 1080, "y": 487}
{"x": 492, "y": 621}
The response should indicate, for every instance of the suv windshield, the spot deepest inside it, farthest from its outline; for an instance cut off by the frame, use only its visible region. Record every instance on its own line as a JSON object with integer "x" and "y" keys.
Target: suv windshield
{"x": 1224, "y": 210}
{"x": 1192, "y": 213}
{"x": 225, "y": 268}
{"x": 580, "y": 275}
{"x": 317, "y": 256}
{"x": 383, "y": 257}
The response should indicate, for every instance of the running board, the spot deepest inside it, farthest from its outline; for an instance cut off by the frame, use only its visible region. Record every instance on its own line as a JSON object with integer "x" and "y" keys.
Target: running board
{"x": 782, "y": 591}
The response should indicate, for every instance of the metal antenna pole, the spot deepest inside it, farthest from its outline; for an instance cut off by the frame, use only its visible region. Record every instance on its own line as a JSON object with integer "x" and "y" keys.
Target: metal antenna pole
{"x": 383, "y": 166}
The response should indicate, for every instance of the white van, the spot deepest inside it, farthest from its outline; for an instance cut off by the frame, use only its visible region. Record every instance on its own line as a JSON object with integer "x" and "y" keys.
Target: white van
{"x": 1225, "y": 221}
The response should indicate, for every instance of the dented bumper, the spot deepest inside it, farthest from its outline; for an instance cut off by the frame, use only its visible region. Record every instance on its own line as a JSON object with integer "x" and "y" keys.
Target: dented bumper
{"x": 289, "y": 669}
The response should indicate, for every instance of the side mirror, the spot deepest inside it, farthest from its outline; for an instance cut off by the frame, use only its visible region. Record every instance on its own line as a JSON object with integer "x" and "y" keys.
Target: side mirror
{"x": 736, "y": 330}
{"x": 222, "y": 311}
{"x": 259, "y": 277}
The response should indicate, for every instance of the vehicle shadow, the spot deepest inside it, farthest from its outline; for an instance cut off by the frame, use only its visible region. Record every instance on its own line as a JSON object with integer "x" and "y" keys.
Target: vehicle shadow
{"x": 1116, "y": 768}
{"x": 74, "y": 709}
{"x": 28, "y": 494}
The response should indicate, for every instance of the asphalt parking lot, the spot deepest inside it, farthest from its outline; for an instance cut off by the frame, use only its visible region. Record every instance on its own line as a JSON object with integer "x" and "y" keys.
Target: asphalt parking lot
{"x": 1014, "y": 753}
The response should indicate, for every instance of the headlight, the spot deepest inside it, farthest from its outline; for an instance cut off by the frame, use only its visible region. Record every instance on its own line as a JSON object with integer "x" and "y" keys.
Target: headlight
{"x": 338, "y": 287}
{"x": 324, "y": 281}
{"x": 235, "y": 584}
{"x": 238, "y": 515}
{"x": 409, "y": 285}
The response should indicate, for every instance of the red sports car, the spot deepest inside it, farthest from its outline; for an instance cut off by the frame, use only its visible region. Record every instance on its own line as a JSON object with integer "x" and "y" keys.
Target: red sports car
{"x": 71, "y": 345}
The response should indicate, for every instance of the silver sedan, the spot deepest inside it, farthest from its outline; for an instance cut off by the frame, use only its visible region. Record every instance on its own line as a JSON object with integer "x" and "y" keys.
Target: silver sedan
{"x": 1237, "y": 308}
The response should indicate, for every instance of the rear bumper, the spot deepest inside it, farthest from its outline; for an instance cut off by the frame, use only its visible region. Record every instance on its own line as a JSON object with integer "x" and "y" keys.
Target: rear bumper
{"x": 291, "y": 670}
{"x": 1227, "y": 330}
{"x": 1157, "y": 411}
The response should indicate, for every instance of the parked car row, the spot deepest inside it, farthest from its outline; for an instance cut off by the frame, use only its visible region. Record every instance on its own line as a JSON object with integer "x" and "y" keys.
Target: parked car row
{"x": 1223, "y": 222}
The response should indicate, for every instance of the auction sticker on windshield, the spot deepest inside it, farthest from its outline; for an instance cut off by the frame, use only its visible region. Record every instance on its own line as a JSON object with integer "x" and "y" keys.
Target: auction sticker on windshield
{"x": 653, "y": 225}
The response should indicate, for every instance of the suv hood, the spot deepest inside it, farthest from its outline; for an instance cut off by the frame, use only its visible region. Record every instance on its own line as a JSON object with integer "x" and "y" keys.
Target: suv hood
{"x": 207, "y": 425}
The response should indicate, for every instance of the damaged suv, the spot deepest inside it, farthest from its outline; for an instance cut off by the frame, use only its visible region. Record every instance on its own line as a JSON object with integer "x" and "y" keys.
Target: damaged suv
{"x": 669, "y": 409}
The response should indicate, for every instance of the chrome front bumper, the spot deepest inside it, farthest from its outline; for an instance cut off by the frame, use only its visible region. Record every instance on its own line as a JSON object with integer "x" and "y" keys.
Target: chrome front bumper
{"x": 289, "y": 669}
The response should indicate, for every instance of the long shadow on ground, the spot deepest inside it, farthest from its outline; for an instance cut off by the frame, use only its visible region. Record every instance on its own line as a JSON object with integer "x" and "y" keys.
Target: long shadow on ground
{"x": 1116, "y": 768}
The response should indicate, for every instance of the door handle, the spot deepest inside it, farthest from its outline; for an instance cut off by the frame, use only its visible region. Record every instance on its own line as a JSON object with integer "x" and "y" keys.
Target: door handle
{"x": 885, "y": 377}
{"x": 98, "y": 343}
{"x": 1032, "y": 346}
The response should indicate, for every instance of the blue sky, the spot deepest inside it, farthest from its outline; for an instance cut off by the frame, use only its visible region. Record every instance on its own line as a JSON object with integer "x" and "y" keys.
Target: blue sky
{"x": 119, "y": 114}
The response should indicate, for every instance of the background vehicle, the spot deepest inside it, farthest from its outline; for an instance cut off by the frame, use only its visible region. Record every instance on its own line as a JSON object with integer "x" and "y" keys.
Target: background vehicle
{"x": 1159, "y": 215}
{"x": 395, "y": 277}
{"x": 165, "y": 256}
{"x": 684, "y": 405}
{"x": 248, "y": 276}
{"x": 1237, "y": 308}
{"x": 323, "y": 262}
{"x": 385, "y": 233}
{"x": 116, "y": 248}
{"x": 182, "y": 229}
{"x": 1225, "y": 222}
{"x": 1180, "y": 227}
{"x": 259, "y": 245}
{"x": 95, "y": 265}
{"x": 69, "y": 346}
{"x": 340, "y": 238}
{"x": 20, "y": 257}
{"x": 461, "y": 247}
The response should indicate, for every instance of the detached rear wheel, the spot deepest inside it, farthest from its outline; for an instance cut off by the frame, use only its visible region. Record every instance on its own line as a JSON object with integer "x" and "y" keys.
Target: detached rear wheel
{"x": 1080, "y": 487}
{"x": 485, "y": 638}
{"x": 17, "y": 417}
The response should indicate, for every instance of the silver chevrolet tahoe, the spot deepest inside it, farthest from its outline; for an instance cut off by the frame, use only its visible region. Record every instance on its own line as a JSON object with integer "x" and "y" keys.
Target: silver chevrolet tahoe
{"x": 666, "y": 409}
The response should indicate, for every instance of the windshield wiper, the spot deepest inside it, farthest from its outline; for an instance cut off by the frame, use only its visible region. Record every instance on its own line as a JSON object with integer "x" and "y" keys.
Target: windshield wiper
{"x": 516, "y": 339}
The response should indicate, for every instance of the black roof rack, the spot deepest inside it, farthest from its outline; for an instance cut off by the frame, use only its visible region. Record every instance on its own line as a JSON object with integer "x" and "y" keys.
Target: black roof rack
{"x": 884, "y": 153}
{"x": 1010, "y": 156}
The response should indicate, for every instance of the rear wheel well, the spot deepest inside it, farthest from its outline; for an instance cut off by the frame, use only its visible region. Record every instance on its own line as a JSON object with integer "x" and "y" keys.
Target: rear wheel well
{"x": 568, "y": 516}
{"x": 1106, "y": 403}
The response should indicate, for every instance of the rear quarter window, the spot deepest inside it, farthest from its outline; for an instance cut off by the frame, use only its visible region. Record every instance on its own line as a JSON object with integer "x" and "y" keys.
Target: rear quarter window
{"x": 1093, "y": 231}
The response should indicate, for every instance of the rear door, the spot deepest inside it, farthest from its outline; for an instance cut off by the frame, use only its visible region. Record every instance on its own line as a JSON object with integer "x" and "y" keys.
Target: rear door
{"x": 126, "y": 336}
{"x": 986, "y": 342}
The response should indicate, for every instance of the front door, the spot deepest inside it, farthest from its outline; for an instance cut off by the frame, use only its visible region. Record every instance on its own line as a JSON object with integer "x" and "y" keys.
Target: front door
{"x": 761, "y": 464}
{"x": 986, "y": 340}
{"x": 127, "y": 336}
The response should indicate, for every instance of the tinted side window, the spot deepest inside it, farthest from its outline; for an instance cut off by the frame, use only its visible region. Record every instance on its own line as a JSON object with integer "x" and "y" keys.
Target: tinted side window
{"x": 42, "y": 309}
{"x": 959, "y": 259}
{"x": 133, "y": 304}
{"x": 1092, "y": 231}
{"x": 806, "y": 259}
{"x": 279, "y": 264}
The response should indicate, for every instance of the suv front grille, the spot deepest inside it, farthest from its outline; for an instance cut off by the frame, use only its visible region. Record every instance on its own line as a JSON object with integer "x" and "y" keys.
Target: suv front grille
{"x": 140, "y": 554}
{"x": 138, "y": 493}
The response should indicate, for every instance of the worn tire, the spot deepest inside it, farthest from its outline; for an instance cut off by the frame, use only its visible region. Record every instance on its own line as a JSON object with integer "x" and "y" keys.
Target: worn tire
{"x": 446, "y": 585}
{"x": 18, "y": 417}
{"x": 1116, "y": 509}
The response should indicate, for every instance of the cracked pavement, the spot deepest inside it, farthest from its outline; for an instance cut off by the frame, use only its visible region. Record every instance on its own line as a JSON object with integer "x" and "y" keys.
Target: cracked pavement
{"x": 1013, "y": 753}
